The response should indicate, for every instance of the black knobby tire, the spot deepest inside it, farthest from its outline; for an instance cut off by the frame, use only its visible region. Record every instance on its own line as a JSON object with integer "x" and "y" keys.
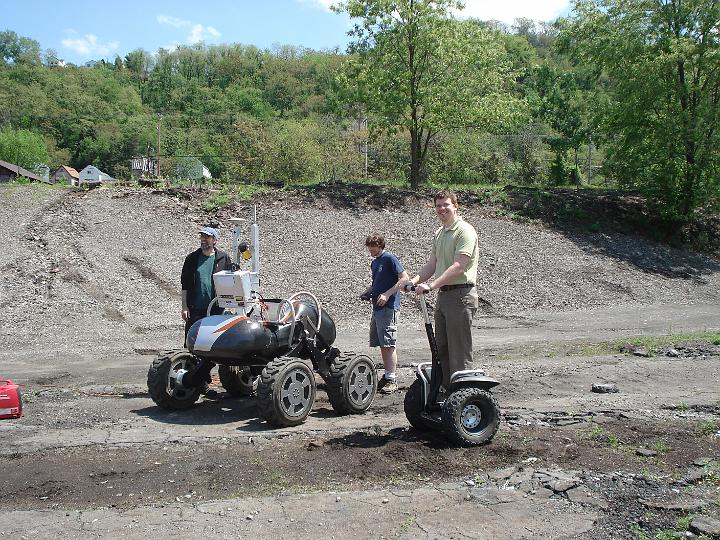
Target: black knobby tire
{"x": 238, "y": 380}
{"x": 413, "y": 405}
{"x": 471, "y": 416}
{"x": 286, "y": 392}
{"x": 352, "y": 383}
{"x": 162, "y": 384}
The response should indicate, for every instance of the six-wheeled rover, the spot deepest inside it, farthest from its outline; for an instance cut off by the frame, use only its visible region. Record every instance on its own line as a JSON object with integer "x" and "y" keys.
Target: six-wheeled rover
{"x": 269, "y": 347}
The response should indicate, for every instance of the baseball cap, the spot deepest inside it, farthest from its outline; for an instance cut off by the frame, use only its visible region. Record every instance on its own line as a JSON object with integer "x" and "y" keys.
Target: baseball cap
{"x": 209, "y": 231}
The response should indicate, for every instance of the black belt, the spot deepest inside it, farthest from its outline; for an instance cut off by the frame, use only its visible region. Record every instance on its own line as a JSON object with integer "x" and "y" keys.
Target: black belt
{"x": 445, "y": 288}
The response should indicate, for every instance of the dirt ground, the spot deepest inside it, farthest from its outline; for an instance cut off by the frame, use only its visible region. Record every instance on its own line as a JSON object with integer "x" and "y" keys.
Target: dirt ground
{"x": 93, "y": 456}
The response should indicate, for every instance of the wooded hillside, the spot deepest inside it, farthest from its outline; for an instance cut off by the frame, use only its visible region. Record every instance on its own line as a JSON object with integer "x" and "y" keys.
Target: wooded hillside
{"x": 620, "y": 94}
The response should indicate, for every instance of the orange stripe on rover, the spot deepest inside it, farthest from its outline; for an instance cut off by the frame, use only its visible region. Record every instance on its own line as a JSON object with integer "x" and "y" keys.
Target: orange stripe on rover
{"x": 230, "y": 324}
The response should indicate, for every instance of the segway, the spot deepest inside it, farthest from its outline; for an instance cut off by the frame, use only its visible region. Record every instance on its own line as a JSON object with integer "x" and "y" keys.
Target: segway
{"x": 467, "y": 412}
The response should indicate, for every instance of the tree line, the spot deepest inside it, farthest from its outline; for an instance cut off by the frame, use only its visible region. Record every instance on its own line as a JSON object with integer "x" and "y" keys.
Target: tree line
{"x": 621, "y": 93}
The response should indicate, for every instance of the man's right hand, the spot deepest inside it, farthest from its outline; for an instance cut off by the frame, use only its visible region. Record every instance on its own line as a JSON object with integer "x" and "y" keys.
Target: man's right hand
{"x": 185, "y": 314}
{"x": 422, "y": 288}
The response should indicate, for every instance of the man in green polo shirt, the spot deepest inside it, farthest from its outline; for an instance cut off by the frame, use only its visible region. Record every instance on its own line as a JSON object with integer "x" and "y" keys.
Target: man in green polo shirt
{"x": 454, "y": 262}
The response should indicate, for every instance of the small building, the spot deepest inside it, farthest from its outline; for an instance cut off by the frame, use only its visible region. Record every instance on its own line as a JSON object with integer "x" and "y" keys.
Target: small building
{"x": 65, "y": 173}
{"x": 142, "y": 166}
{"x": 9, "y": 172}
{"x": 92, "y": 176}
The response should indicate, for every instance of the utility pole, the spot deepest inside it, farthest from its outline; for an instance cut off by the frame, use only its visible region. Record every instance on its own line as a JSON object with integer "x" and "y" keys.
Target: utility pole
{"x": 589, "y": 164}
{"x": 158, "y": 144}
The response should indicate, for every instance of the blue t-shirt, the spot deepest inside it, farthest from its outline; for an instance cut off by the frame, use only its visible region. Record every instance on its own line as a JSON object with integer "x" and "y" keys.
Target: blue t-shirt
{"x": 386, "y": 268}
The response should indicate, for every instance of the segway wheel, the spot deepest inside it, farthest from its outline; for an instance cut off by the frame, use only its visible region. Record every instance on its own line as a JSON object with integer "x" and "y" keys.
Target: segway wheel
{"x": 238, "y": 380}
{"x": 470, "y": 416}
{"x": 414, "y": 405}
{"x": 352, "y": 383}
{"x": 162, "y": 383}
{"x": 286, "y": 392}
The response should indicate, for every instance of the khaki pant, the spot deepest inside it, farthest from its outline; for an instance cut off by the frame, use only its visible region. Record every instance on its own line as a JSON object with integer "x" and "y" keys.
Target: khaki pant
{"x": 454, "y": 312}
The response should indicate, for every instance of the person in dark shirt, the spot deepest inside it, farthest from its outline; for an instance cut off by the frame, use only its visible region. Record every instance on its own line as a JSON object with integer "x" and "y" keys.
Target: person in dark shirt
{"x": 387, "y": 271}
{"x": 196, "y": 278}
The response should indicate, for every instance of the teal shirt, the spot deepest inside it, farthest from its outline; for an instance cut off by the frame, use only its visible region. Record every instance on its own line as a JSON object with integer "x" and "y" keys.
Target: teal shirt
{"x": 205, "y": 290}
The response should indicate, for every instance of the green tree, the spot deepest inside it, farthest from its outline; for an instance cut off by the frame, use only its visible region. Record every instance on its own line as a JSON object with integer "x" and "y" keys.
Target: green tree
{"x": 418, "y": 70}
{"x": 18, "y": 49}
{"x": 659, "y": 61}
{"x": 558, "y": 97}
{"x": 23, "y": 147}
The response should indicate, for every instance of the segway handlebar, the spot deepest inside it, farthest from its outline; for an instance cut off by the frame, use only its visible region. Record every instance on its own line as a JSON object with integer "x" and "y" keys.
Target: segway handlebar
{"x": 409, "y": 287}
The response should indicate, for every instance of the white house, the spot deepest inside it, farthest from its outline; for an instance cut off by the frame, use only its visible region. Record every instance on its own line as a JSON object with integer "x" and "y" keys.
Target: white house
{"x": 92, "y": 176}
{"x": 66, "y": 173}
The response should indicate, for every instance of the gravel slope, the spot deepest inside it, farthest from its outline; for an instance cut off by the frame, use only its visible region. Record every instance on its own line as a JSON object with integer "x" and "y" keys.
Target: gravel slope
{"x": 94, "y": 268}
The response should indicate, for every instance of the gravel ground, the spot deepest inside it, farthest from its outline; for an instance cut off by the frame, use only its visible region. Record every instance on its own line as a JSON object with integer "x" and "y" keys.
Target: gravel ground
{"x": 92, "y": 267}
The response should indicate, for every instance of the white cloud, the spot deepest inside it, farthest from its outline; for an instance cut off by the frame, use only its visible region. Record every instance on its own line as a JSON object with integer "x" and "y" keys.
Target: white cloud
{"x": 325, "y": 4}
{"x": 173, "y": 21}
{"x": 202, "y": 33}
{"x": 198, "y": 32}
{"x": 509, "y": 10}
{"x": 88, "y": 45}
{"x": 506, "y": 10}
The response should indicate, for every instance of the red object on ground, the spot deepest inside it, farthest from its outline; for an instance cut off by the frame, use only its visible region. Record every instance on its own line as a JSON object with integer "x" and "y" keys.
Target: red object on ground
{"x": 10, "y": 400}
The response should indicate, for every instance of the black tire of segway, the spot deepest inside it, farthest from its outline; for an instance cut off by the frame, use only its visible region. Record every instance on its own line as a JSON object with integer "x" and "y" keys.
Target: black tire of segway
{"x": 413, "y": 406}
{"x": 452, "y": 423}
{"x": 235, "y": 382}
{"x": 158, "y": 377}
{"x": 338, "y": 383}
{"x": 269, "y": 392}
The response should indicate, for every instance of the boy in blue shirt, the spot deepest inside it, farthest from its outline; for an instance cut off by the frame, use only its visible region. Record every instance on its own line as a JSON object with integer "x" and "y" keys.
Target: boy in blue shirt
{"x": 387, "y": 272}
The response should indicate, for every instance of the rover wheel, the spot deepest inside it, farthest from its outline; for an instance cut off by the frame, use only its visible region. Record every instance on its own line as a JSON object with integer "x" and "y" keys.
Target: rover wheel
{"x": 238, "y": 380}
{"x": 162, "y": 383}
{"x": 471, "y": 416}
{"x": 286, "y": 392}
{"x": 413, "y": 405}
{"x": 352, "y": 383}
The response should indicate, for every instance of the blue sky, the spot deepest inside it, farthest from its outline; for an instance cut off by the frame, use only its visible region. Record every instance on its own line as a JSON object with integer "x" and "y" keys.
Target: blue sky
{"x": 82, "y": 30}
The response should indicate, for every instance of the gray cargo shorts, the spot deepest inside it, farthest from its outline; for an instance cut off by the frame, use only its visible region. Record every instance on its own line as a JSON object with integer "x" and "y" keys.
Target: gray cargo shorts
{"x": 383, "y": 328}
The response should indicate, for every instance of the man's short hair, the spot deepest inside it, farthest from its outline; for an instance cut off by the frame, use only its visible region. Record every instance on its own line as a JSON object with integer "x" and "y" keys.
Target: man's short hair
{"x": 445, "y": 194}
{"x": 375, "y": 240}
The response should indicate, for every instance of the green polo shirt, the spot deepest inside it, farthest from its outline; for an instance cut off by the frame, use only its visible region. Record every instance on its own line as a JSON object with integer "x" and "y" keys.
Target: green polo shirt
{"x": 459, "y": 239}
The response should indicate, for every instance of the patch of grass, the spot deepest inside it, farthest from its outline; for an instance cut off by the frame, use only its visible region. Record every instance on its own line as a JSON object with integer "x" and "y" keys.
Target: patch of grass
{"x": 232, "y": 193}
{"x": 604, "y": 437}
{"x": 613, "y": 441}
{"x": 216, "y": 201}
{"x": 709, "y": 427}
{"x": 404, "y": 527}
{"x": 605, "y": 348}
{"x": 648, "y": 475}
{"x": 638, "y": 533}
{"x": 681, "y": 526}
{"x": 661, "y": 447}
{"x": 28, "y": 395}
{"x": 602, "y": 348}
{"x": 713, "y": 474}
